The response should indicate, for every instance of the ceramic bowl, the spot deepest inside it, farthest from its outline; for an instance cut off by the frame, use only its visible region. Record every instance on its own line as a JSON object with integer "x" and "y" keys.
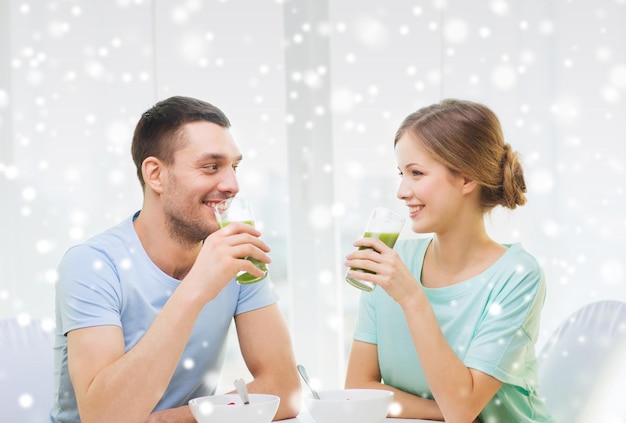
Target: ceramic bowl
{"x": 229, "y": 408}
{"x": 350, "y": 405}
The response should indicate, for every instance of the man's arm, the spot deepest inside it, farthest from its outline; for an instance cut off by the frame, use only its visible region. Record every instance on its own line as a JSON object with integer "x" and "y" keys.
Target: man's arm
{"x": 103, "y": 375}
{"x": 180, "y": 414}
{"x": 266, "y": 348}
{"x": 114, "y": 386}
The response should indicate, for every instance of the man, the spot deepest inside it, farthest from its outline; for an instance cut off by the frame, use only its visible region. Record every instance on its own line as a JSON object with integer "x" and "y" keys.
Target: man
{"x": 143, "y": 309}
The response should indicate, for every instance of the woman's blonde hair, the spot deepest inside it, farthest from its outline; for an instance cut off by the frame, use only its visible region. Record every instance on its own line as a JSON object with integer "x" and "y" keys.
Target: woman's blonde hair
{"x": 467, "y": 138}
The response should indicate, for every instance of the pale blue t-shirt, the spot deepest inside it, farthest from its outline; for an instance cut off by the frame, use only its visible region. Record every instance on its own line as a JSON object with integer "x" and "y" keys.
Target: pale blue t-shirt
{"x": 110, "y": 280}
{"x": 491, "y": 321}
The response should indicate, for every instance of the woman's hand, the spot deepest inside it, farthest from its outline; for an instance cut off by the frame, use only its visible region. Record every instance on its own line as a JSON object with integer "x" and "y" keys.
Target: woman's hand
{"x": 389, "y": 272}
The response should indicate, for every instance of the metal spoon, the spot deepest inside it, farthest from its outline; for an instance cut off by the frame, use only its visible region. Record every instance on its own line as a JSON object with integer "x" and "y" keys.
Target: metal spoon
{"x": 242, "y": 390}
{"x": 305, "y": 377}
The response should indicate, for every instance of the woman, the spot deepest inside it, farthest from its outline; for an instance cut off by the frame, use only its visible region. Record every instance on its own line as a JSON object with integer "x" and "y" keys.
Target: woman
{"x": 452, "y": 331}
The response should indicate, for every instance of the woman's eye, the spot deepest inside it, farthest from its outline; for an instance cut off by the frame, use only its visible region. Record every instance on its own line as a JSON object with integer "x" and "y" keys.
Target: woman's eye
{"x": 412, "y": 173}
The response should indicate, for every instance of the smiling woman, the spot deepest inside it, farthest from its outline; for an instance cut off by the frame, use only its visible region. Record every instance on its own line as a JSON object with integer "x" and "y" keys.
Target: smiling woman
{"x": 315, "y": 90}
{"x": 455, "y": 305}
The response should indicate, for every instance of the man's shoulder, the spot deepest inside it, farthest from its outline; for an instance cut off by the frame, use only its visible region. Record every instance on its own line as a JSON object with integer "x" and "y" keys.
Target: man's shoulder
{"x": 108, "y": 241}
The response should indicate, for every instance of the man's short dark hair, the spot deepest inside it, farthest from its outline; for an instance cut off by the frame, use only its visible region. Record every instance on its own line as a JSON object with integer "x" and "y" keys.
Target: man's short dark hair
{"x": 157, "y": 133}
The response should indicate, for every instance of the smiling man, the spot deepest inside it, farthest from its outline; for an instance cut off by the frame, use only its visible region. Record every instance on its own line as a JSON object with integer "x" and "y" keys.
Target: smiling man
{"x": 143, "y": 309}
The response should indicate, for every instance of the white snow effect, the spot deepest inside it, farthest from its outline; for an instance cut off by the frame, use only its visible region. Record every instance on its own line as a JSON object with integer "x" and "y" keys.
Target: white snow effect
{"x": 207, "y": 408}
{"x": 541, "y": 181}
{"x": 613, "y": 271}
{"x": 551, "y": 229}
{"x": 500, "y": 7}
{"x": 504, "y": 77}
{"x": 342, "y": 100}
{"x": 617, "y": 76}
{"x": 29, "y": 194}
{"x": 495, "y": 309}
{"x": 371, "y": 31}
{"x": 25, "y": 401}
{"x": 193, "y": 46}
{"x": 4, "y": 99}
{"x": 66, "y": 124}
{"x": 320, "y": 217}
{"x": 44, "y": 246}
{"x": 456, "y": 30}
{"x": 325, "y": 277}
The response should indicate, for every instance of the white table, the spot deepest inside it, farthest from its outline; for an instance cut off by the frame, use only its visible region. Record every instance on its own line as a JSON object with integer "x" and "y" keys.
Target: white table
{"x": 305, "y": 418}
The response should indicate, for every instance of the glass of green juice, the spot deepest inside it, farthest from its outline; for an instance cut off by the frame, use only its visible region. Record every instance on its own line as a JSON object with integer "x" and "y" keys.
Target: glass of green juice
{"x": 238, "y": 209}
{"x": 384, "y": 224}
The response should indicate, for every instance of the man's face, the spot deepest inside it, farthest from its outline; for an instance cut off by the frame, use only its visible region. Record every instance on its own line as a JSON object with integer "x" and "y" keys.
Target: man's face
{"x": 201, "y": 175}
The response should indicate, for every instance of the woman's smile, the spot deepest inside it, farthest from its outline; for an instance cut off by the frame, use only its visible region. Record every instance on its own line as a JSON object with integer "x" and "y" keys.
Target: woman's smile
{"x": 415, "y": 210}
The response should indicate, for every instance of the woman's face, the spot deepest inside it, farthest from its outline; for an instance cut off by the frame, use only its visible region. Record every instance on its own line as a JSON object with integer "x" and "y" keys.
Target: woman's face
{"x": 433, "y": 194}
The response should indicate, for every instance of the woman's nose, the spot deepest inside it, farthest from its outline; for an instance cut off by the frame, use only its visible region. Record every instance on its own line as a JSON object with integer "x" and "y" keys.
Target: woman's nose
{"x": 403, "y": 191}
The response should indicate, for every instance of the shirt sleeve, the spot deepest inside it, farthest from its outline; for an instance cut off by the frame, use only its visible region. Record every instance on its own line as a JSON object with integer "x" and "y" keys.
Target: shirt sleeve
{"x": 365, "y": 329}
{"x": 411, "y": 252}
{"x": 256, "y": 295}
{"x": 88, "y": 290}
{"x": 503, "y": 345}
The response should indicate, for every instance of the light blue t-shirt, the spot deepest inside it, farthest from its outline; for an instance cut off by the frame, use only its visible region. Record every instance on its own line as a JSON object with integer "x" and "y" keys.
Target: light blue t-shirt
{"x": 110, "y": 280}
{"x": 491, "y": 321}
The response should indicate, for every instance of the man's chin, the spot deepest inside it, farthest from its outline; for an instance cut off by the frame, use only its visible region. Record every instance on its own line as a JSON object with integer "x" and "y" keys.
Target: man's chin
{"x": 212, "y": 229}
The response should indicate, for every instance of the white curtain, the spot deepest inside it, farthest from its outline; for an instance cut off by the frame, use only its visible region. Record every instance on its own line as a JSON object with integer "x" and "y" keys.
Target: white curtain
{"x": 315, "y": 91}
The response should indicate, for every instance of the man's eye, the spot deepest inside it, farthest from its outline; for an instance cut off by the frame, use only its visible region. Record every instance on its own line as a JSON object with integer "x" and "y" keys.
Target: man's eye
{"x": 211, "y": 167}
{"x": 235, "y": 168}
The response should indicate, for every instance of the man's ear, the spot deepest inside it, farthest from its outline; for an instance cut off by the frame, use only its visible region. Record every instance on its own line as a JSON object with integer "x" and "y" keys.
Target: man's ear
{"x": 153, "y": 172}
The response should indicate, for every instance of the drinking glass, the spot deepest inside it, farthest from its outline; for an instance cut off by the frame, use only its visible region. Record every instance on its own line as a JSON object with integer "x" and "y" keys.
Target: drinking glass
{"x": 238, "y": 209}
{"x": 385, "y": 225}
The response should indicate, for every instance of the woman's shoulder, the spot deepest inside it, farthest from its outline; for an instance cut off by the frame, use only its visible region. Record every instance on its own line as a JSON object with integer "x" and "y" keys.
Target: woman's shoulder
{"x": 412, "y": 251}
{"x": 414, "y": 244}
{"x": 517, "y": 269}
{"x": 521, "y": 258}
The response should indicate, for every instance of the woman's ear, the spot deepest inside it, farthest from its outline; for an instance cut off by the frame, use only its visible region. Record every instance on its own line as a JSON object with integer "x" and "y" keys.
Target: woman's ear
{"x": 469, "y": 185}
{"x": 153, "y": 172}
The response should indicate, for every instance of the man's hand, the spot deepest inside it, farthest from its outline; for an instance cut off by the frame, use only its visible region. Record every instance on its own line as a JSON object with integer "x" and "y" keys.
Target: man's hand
{"x": 223, "y": 255}
{"x": 172, "y": 415}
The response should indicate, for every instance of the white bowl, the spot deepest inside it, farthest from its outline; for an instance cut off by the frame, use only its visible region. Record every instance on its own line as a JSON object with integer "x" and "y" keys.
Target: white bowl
{"x": 229, "y": 408}
{"x": 350, "y": 405}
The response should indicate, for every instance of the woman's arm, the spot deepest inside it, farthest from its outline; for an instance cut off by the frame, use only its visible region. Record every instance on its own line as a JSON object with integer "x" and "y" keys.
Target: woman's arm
{"x": 363, "y": 372}
{"x": 461, "y": 393}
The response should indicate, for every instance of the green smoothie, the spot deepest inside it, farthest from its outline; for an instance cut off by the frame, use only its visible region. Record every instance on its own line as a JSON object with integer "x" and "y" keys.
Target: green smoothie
{"x": 246, "y": 278}
{"x": 389, "y": 239}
